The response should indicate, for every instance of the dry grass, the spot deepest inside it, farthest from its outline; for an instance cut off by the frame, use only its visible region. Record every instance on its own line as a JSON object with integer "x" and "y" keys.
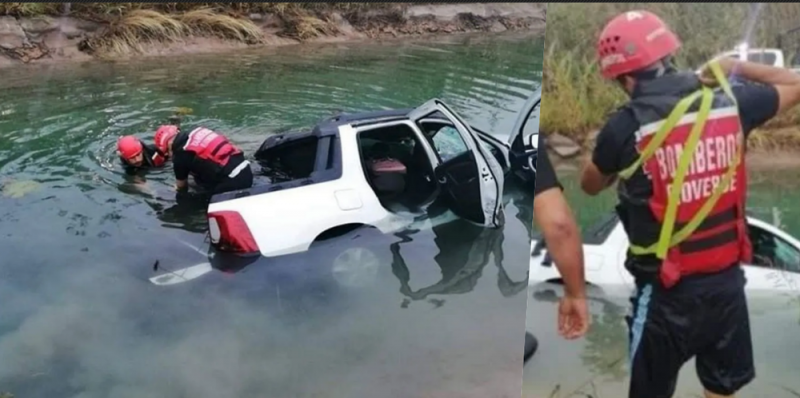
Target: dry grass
{"x": 101, "y": 10}
{"x": 303, "y": 27}
{"x": 140, "y": 28}
{"x": 577, "y": 100}
{"x": 132, "y": 26}
{"x": 206, "y": 22}
{"x": 28, "y": 10}
{"x": 133, "y": 31}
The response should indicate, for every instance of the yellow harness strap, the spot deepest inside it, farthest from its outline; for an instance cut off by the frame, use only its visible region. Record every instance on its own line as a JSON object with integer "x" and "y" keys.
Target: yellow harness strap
{"x": 666, "y": 239}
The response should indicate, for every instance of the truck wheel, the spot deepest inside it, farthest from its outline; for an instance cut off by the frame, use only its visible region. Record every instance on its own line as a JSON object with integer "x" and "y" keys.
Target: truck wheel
{"x": 357, "y": 264}
{"x": 531, "y": 344}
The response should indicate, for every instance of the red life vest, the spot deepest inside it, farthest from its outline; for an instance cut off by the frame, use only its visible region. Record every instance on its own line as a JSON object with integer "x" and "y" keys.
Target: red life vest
{"x": 720, "y": 239}
{"x": 210, "y": 146}
{"x": 158, "y": 159}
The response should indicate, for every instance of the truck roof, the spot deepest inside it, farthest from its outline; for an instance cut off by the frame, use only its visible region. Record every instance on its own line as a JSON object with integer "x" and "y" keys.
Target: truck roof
{"x": 330, "y": 125}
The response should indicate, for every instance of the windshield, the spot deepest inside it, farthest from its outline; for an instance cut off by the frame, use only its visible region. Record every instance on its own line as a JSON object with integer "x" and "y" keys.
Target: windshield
{"x": 762, "y": 57}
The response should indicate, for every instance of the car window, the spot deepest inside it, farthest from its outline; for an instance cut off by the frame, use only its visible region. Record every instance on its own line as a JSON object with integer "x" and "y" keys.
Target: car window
{"x": 762, "y": 57}
{"x": 531, "y": 124}
{"x": 767, "y": 58}
{"x": 771, "y": 251}
{"x": 293, "y": 159}
{"x": 447, "y": 142}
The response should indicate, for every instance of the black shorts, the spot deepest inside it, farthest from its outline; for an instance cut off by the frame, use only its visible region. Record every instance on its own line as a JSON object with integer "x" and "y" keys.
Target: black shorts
{"x": 242, "y": 180}
{"x": 704, "y": 317}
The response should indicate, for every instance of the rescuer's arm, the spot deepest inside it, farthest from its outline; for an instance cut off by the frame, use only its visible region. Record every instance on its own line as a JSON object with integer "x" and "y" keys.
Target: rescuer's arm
{"x": 552, "y": 213}
{"x": 181, "y": 164}
{"x": 600, "y": 170}
{"x": 593, "y": 181}
{"x": 557, "y": 223}
{"x": 785, "y": 81}
{"x": 559, "y": 229}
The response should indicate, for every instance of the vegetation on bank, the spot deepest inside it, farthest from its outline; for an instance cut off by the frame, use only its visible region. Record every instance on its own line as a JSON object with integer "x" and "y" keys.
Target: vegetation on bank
{"x": 131, "y": 26}
{"x": 577, "y": 100}
{"x": 109, "y": 11}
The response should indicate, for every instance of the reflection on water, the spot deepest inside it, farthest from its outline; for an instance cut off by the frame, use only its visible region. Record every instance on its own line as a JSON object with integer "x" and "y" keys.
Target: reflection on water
{"x": 284, "y": 324}
{"x": 596, "y": 365}
{"x": 80, "y": 317}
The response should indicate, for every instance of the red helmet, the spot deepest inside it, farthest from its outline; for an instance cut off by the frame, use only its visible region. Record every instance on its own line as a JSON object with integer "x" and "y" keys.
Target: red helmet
{"x": 632, "y": 41}
{"x": 163, "y": 135}
{"x": 129, "y": 146}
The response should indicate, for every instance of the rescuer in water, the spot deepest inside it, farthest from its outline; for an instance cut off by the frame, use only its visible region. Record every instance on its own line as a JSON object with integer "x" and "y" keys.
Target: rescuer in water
{"x": 687, "y": 131}
{"x": 214, "y": 162}
{"x": 135, "y": 155}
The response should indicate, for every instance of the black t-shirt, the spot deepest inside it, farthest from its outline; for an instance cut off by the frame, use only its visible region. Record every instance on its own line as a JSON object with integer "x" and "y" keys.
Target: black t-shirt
{"x": 546, "y": 178}
{"x": 204, "y": 172}
{"x": 148, "y": 152}
{"x": 616, "y": 143}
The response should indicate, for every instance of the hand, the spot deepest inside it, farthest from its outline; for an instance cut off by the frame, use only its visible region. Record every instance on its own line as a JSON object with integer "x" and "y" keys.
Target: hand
{"x": 181, "y": 185}
{"x": 573, "y": 317}
{"x": 725, "y": 63}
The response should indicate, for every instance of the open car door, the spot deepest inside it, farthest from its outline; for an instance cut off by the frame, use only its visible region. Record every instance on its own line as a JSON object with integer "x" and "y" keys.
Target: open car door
{"x": 469, "y": 174}
{"x": 524, "y": 137}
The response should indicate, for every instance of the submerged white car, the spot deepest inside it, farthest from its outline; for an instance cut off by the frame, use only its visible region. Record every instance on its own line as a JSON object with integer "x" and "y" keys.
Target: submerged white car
{"x": 379, "y": 169}
{"x": 775, "y": 267}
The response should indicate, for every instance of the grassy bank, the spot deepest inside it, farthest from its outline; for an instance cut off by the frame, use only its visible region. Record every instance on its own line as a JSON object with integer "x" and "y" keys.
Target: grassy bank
{"x": 577, "y": 100}
{"x": 131, "y": 26}
{"x": 110, "y": 11}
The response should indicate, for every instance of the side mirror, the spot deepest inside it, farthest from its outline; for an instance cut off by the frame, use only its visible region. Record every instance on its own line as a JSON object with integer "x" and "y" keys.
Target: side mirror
{"x": 535, "y": 141}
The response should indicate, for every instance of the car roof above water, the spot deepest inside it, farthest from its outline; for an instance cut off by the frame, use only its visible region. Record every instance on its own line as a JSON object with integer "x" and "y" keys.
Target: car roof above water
{"x": 370, "y": 116}
{"x": 332, "y": 124}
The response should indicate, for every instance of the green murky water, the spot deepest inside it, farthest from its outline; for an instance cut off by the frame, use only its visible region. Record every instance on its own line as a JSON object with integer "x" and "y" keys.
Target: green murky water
{"x": 442, "y": 316}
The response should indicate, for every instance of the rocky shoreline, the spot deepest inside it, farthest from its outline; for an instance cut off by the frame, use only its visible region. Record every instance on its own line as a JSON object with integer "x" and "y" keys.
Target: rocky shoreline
{"x": 48, "y": 39}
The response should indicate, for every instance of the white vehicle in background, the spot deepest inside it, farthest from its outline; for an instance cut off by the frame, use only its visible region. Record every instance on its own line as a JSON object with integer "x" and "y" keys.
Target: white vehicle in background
{"x": 767, "y": 56}
{"x": 775, "y": 267}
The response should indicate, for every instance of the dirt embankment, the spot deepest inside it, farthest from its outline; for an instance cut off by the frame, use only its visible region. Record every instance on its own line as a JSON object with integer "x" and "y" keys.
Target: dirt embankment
{"x": 47, "y": 39}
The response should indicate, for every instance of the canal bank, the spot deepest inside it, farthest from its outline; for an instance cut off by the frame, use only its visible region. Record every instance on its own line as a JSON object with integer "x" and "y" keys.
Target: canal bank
{"x": 128, "y": 33}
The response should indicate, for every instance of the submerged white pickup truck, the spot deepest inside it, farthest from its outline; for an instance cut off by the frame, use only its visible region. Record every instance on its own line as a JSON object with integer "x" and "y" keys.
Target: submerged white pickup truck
{"x": 368, "y": 174}
{"x": 380, "y": 169}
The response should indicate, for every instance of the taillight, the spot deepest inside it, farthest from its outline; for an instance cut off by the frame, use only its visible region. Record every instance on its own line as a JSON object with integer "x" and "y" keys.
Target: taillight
{"x": 230, "y": 233}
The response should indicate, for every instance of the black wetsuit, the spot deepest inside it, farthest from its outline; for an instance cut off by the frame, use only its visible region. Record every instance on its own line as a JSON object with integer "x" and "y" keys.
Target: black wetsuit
{"x": 152, "y": 158}
{"x": 213, "y": 176}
